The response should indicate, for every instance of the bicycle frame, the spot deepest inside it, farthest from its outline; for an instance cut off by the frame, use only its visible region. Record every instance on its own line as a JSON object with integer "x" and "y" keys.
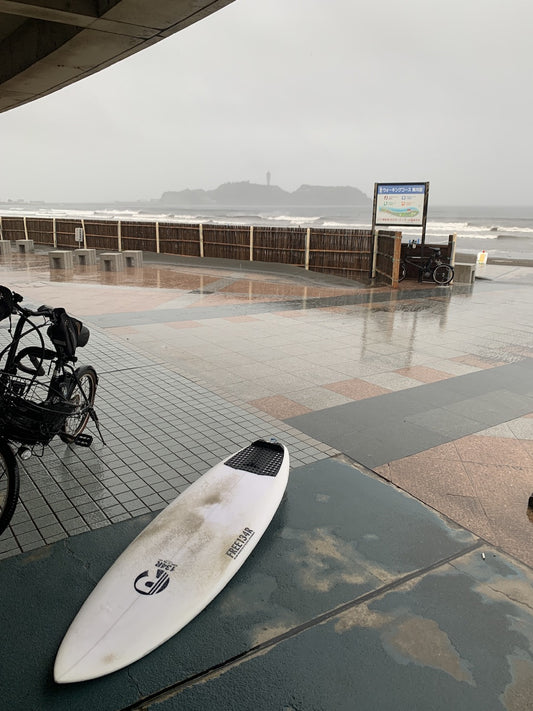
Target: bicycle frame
{"x": 64, "y": 386}
{"x": 54, "y": 401}
{"x": 424, "y": 267}
{"x": 38, "y": 355}
{"x": 18, "y": 335}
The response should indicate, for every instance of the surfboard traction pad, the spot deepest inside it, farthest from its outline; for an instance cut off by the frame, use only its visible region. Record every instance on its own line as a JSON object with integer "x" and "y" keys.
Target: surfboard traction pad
{"x": 263, "y": 458}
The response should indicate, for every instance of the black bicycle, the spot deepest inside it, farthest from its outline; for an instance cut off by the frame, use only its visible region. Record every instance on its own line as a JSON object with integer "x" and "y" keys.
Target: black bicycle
{"x": 434, "y": 267}
{"x": 42, "y": 394}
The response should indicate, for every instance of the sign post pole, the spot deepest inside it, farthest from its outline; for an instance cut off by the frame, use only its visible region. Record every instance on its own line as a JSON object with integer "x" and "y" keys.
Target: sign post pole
{"x": 372, "y": 272}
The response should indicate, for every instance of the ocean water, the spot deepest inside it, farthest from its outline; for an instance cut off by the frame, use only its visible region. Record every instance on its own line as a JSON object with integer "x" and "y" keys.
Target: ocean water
{"x": 503, "y": 231}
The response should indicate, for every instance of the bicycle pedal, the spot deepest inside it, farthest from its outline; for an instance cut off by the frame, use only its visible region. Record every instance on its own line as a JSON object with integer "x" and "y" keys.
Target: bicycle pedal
{"x": 83, "y": 440}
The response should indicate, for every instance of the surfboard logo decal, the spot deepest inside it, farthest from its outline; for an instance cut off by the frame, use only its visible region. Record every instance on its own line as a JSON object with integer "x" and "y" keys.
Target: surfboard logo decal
{"x": 151, "y": 582}
{"x": 238, "y": 544}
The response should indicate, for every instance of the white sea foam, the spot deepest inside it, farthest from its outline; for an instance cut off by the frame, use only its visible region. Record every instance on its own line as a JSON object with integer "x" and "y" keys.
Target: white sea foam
{"x": 343, "y": 225}
{"x": 444, "y": 229}
{"x": 513, "y": 226}
{"x": 296, "y": 219}
{"x": 526, "y": 230}
{"x": 189, "y": 219}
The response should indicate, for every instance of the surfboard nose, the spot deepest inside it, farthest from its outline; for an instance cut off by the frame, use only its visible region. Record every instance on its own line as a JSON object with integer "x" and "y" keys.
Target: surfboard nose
{"x": 67, "y": 667}
{"x": 65, "y": 672}
{"x": 64, "y": 675}
{"x": 62, "y": 678}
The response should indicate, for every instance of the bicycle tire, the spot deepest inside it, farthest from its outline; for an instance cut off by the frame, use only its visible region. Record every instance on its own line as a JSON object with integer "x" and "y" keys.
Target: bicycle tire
{"x": 76, "y": 423}
{"x": 402, "y": 271}
{"x": 442, "y": 274}
{"x": 9, "y": 485}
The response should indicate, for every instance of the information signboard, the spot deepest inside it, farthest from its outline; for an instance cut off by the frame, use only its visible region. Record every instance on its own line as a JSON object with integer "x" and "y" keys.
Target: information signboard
{"x": 401, "y": 204}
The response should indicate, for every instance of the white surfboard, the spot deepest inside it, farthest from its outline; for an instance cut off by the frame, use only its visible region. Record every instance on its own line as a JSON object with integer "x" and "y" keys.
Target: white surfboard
{"x": 177, "y": 565}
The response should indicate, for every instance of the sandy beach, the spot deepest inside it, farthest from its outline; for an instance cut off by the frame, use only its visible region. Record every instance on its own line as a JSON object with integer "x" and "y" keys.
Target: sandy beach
{"x": 501, "y": 250}
{"x": 511, "y": 259}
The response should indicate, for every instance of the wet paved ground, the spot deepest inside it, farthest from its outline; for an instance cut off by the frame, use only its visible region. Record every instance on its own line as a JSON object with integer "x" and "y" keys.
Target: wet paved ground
{"x": 430, "y": 387}
{"x": 358, "y": 596}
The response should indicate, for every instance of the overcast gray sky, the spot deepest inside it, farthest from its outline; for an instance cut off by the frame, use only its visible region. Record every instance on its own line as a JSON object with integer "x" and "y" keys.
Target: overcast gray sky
{"x": 329, "y": 92}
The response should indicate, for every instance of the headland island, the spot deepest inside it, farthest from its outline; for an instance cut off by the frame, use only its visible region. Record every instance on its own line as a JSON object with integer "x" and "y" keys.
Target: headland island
{"x": 255, "y": 194}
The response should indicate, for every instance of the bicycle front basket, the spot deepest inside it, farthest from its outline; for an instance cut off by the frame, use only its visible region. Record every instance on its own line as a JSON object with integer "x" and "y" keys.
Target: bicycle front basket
{"x": 31, "y": 412}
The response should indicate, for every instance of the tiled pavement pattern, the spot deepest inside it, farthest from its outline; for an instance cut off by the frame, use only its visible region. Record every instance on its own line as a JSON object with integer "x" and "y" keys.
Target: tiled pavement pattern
{"x": 413, "y": 420}
{"x": 265, "y": 348}
{"x": 162, "y": 431}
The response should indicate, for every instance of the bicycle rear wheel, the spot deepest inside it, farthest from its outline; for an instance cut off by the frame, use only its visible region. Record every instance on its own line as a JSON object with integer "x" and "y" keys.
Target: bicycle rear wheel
{"x": 403, "y": 271}
{"x": 82, "y": 396}
{"x": 442, "y": 274}
{"x": 9, "y": 485}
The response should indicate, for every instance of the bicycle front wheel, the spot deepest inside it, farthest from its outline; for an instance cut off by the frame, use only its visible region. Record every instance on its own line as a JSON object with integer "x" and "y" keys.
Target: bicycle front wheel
{"x": 82, "y": 395}
{"x": 442, "y": 274}
{"x": 9, "y": 485}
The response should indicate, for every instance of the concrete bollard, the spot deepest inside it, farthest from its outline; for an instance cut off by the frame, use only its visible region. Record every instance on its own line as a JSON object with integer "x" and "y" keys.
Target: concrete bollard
{"x": 133, "y": 257}
{"x": 5, "y": 248}
{"x": 60, "y": 259}
{"x": 25, "y": 246}
{"x": 464, "y": 273}
{"x": 112, "y": 261}
{"x": 85, "y": 257}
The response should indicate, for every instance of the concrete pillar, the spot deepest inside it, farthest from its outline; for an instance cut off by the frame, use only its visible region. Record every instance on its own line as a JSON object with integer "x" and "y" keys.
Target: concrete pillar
{"x": 60, "y": 259}
{"x": 464, "y": 273}
{"x": 25, "y": 246}
{"x": 85, "y": 257}
{"x": 5, "y": 248}
{"x": 133, "y": 257}
{"x": 112, "y": 261}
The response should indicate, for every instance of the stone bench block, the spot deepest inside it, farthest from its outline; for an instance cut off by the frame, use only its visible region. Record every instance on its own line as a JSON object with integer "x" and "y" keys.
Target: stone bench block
{"x": 60, "y": 259}
{"x": 25, "y": 246}
{"x": 112, "y": 261}
{"x": 85, "y": 257}
{"x": 133, "y": 257}
{"x": 464, "y": 273}
{"x": 5, "y": 248}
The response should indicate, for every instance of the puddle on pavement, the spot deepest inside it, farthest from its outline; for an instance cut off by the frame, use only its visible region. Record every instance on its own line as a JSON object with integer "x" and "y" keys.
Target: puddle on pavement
{"x": 225, "y": 283}
{"x": 406, "y": 306}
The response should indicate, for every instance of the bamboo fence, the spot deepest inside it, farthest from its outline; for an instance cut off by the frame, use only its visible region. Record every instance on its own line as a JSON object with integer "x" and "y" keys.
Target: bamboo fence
{"x": 351, "y": 253}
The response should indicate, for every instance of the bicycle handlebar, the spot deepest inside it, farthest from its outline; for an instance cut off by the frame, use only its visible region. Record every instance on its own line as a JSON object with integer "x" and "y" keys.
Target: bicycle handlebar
{"x": 15, "y": 301}
{"x": 43, "y": 310}
{"x": 51, "y": 312}
{"x": 412, "y": 245}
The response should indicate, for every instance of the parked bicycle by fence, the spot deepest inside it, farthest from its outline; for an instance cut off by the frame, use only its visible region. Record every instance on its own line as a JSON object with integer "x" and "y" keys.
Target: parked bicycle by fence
{"x": 42, "y": 394}
{"x": 434, "y": 267}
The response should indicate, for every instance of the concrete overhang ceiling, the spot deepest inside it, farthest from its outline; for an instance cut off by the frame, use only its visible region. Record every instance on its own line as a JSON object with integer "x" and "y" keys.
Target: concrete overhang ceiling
{"x": 48, "y": 44}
